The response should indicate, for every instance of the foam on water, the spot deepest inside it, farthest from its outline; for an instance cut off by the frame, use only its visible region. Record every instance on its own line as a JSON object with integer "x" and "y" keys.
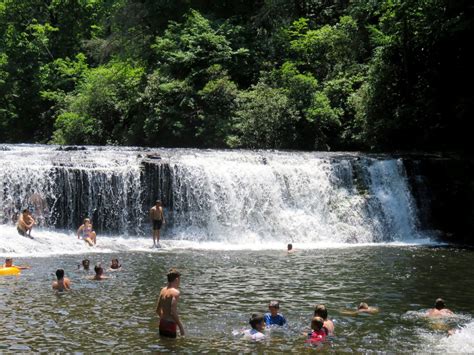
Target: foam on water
{"x": 462, "y": 341}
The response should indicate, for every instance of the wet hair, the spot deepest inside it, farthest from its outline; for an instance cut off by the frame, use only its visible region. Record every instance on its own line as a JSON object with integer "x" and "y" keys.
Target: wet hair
{"x": 439, "y": 304}
{"x": 118, "y": 265}
{"x": 85, "y": 261}
{"x": 317, "y": 323}
{"x": 25, "y": 210}
{"x": 98, "y": 269}
{"x": 87, "y": 219}
{"x": 9, "y": 261}
{"x": 290, "y": 246}
{"x": 158, "y": 202}
{"x": 60, "y": 274}
{"x": 274, "y": 304}
{"x": 255, "y": 319}
{"x": 172, "y": 275}
{"x": 320, "y": 310}
{"x": 363, "y": 305}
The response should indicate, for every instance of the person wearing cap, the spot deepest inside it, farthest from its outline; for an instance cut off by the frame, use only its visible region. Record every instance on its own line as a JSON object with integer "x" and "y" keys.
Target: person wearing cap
{"x": 439, "y": 309}
{"x": 258, "y": 326}
{"x": 273, "y": 317}
{"x": 157, "y": 219}
{"x": 25, "y": 223}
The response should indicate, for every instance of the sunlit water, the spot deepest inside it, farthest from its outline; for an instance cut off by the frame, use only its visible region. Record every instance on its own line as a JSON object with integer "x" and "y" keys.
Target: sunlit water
{"x": 221, "y": 288}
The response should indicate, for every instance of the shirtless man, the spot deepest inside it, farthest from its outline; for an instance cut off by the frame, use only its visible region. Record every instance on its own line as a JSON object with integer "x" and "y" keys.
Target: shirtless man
{"x": 9, "y": 263}
{"x": 157, "y": 219}
{"x": 440, "y": 309}
{"x": 167, "y": 306}
{"x": 25, "y": 223}
{"x": 320, "y": 310}
{"x": 99, "y": 273}
{"x": 63, "y": 283}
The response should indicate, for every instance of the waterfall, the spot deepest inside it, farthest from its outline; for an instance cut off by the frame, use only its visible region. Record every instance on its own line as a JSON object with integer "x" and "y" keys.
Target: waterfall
{"x": 217, "y": 196}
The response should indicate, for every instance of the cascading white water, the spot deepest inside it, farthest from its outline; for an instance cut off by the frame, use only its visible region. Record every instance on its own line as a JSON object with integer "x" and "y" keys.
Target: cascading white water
{"x": 229, "y": 197}
{"x": 301, "y": 197}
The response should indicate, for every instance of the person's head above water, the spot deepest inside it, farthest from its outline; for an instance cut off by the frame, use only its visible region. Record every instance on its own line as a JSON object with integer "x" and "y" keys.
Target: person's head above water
{"x": 85, "y": 264}
{"x": 98, "y": 270}
{"x": 274, "y": 306}
{"x": 290, "y": 247}
{"x": 173, "y": 275}
{"x": 320, "y": 310}
{"x": 317, "y": 323}
{"x": 8, "y": 262}
{"x": 257, "y": 321}
{"x": 60, "y": 274}
{"x": 440, "y": 304}
{"x": 87, "y": 221}
{"x": 115, "y": 264}
{"x": 363, "y": 305}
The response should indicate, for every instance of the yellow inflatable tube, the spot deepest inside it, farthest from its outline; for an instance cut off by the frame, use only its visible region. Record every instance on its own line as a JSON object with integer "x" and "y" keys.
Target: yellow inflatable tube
{"x": 6, "y": 271}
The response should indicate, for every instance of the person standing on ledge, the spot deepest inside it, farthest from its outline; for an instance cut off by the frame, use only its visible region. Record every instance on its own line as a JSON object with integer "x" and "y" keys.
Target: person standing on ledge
{"x": 167, "y": 308}
{"x": 157, "y": 219}
{"x": 25, "y": 223}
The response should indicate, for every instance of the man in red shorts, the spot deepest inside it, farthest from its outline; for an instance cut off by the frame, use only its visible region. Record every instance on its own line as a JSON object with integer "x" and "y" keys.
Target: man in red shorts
{"x": 167, "y": 306}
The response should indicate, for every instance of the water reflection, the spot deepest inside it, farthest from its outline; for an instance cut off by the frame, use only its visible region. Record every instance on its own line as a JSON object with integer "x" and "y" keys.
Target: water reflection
{"x": 220, "y": 289}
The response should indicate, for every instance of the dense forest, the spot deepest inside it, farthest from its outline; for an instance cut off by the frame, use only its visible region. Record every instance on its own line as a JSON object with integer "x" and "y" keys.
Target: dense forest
{"x": 317, "y": 74}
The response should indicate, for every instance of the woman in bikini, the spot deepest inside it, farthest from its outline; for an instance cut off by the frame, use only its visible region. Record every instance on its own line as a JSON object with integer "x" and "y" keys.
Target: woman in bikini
{"x": 86, "y": 232}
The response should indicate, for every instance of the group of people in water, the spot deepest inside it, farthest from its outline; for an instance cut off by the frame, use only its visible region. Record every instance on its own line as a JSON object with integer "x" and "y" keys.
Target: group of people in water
{"x": 64, "y": 284}
{"x": 86, "y": 231}
{"x": 321, "y": 325}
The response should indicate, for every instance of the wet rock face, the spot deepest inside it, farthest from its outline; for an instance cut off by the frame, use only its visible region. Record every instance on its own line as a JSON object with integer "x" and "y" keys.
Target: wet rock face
{"x": 444, "y": 192}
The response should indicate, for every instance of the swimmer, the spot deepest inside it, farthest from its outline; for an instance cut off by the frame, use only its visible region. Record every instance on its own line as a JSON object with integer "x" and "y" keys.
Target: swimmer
{"x": 167, "y": 307}
{"x": 25, "y": 223}
{"x": 63, "y": 283}
{"x": 257, "y": 323}
{"x": 157, "y": 219}
{"x": 114, "y": 266}
{"x": 86, "y": 232}
{"x": 85, "y": 265}
{"x": 273, "y": 317}
{"x": 363, "y": 308}
{"x": 320, "y": 310}
{"x": 289, "y": 248}
{"x": 319, "y": 332}
{"x": 439, "y": 309}
{"x": 9, "y": 263}
{"x": 99, "y": 273}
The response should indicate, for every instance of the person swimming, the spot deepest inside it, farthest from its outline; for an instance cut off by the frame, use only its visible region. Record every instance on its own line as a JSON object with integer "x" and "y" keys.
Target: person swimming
{"x": 115, "y": 265}
{"x": 9, "y": 263}
{"x": 258, "y": 326}
{"x": 363, "y": 308}
{"x": 99, "y": 273}
{"x": 439, "y": 309}
{"x": 318, "y": 333}
{"x": 63, "y": 283}
{"x": 273, "y": 317}
{"x": 320, "y": 310}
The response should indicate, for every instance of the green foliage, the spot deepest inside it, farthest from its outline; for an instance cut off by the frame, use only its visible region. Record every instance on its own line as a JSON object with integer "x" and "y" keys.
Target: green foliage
{"x": 104, "y": 99}
{"x": 378, "y": 75}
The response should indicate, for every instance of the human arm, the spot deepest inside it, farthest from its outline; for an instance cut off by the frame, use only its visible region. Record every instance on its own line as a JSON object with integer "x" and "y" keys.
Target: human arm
{"x": 174, "y": 312}
{"x": 79, "y": 230}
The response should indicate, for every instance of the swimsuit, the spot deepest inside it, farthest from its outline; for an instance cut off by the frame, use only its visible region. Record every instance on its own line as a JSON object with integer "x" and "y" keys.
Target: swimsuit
{"x": 167, "y": 328}
{"x": 157, "y": 224}
{"x": 21, "y": 231}
{"x": 317, "y": 336}
{"x": 86, "y": 232}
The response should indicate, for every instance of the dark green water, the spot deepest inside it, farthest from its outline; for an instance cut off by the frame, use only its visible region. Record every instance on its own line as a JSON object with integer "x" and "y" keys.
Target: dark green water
{"x": 220, "y": 290}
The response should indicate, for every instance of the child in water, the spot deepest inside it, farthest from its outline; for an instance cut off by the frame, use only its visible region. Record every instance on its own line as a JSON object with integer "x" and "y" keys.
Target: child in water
{"x": 114, "y": 266}
{"x": 319, "y": 333}
{"x": 258, "y": 325}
